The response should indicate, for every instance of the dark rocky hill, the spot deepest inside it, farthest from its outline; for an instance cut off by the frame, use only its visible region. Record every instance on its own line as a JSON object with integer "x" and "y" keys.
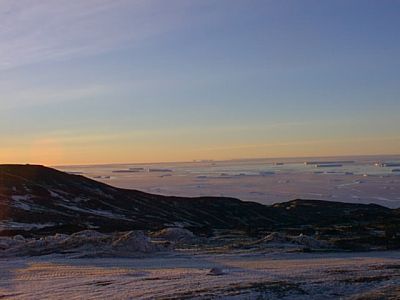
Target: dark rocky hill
{"x": 40, "y": 200}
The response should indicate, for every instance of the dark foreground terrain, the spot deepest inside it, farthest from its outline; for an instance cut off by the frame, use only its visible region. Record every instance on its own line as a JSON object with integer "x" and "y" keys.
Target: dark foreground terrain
{"x": 39, "y": 201}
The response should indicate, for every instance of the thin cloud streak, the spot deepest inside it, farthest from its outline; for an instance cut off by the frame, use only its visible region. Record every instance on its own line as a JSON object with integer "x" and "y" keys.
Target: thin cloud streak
{"x": 33, "y": 31}
{"x": 34, "y": 97}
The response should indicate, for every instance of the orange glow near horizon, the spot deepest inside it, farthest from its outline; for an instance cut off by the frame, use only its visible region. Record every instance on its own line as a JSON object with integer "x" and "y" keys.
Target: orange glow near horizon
{"x": 50, "y": 151}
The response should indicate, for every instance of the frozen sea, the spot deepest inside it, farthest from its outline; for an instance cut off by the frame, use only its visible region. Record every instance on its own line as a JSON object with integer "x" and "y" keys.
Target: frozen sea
{"x": 360, "y": 179}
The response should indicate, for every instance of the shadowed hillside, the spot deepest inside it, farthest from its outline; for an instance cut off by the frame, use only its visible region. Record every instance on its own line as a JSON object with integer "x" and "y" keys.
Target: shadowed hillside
{"x": 42, "y": 200}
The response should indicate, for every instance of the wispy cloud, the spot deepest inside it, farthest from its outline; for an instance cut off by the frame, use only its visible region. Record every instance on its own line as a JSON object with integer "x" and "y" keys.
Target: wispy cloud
{"x": 35, "y": 31}
{"x": 14, "y": 98}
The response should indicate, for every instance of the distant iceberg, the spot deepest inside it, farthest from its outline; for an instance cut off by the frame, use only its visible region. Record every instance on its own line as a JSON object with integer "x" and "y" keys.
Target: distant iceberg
{"x": 160, "y": 170}
{"x": 266, "y": 173}
{"x": 389, "y": 164}
{"x": 328, "y": 165}
{"x": 341, "y": 162}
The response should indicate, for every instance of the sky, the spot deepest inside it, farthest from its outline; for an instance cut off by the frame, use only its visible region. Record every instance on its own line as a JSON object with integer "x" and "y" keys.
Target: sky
{"x": 108, "y": 81}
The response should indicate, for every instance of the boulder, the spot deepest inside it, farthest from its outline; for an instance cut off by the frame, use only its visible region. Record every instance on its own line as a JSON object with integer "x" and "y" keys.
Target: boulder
{"x": 133, "y": 241}
{"x": 216, "y": 272}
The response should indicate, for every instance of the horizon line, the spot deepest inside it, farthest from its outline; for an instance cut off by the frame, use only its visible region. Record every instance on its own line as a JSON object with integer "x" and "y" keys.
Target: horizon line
{"x": 217, "y": 160}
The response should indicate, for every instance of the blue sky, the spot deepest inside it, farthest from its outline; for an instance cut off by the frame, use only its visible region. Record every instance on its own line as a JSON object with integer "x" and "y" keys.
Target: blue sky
{"x": 124, "y": 81}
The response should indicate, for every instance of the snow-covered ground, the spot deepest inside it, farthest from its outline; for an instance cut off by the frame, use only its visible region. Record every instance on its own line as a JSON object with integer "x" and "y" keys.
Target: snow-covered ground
{"x": 180, "y": 275}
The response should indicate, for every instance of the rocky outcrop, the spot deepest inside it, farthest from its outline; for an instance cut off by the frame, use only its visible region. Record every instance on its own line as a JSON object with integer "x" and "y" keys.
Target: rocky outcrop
{"x": 133, "y": 241}
{"x": 88, "y": 243}
{"x": 303, "y": 241}
{"x": 176, "y": 235}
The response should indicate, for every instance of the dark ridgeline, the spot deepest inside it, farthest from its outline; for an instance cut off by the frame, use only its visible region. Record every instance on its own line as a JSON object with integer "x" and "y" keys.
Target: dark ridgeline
{"x": 63, "y": 202}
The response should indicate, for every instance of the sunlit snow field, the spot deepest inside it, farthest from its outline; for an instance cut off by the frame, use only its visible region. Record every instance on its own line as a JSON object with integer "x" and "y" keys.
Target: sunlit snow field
{"x": 179, "y": 276}
{"x": 363, "y": 179}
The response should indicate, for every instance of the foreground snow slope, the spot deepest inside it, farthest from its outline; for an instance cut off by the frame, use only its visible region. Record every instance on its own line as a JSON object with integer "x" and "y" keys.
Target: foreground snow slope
{"x": 184, "y": 276}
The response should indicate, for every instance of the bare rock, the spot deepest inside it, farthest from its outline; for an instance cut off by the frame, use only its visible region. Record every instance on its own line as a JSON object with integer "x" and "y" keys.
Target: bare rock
{"x": 216, "y": 272}
{"x": 310, "y": 242}
{"x": 19, "y": 238}
{"x": 300, "y": 240}
{"x": 88, "y": 234}
{"x": 277, "y": 237}
{"x": 176, "y": 234}
{"x": 133, "y": 241}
